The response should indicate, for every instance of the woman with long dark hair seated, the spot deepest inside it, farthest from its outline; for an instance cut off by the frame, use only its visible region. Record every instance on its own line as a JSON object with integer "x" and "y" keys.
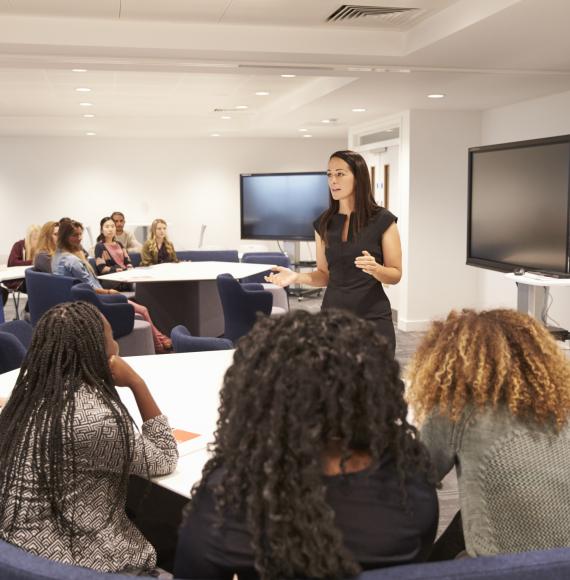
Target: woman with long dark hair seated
{"x": 491, "y": 391}
{"x": 68, "y": 445}
{"x": 315, "y": 470}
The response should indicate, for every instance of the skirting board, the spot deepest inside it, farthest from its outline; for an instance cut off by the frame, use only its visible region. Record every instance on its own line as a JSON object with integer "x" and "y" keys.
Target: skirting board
{"x": 413, "y": 325}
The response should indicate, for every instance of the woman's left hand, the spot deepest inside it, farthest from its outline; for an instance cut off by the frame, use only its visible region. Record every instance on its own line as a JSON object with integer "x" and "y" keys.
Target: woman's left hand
{"x": 367, "y": 263}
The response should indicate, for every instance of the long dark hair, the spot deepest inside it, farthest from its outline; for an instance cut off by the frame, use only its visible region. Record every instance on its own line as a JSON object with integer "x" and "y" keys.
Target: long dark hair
{"x": 37, "y": 424}
{"x": 101, "y": 236}
{"x": 67, "y": 228}
{"x": 364, "y": 204}
{"x": 298, "y": 384}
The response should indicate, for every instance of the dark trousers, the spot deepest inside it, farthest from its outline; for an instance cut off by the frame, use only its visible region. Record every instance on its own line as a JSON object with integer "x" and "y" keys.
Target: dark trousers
{"x": 450, "y": 543}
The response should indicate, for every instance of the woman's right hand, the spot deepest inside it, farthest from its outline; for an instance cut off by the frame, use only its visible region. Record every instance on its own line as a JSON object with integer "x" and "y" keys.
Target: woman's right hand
{"x": 282, "y": 277}
{"x": 123, "y": 374}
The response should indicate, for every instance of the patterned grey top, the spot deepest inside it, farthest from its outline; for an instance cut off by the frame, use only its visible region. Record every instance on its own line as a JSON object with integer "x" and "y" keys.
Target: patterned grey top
{"x": 514, "y": 483}
{"x": 108, "y": 545}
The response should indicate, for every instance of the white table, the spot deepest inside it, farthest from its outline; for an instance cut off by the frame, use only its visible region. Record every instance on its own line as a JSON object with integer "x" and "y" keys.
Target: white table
{"x": 186, "y": 388}
{"x": 13, "y": 273}
{"x": 529, "y": 300}
{"x": 184, "y": 292}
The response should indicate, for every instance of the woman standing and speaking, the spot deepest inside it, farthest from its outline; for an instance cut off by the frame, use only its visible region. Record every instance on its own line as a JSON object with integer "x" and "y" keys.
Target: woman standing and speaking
{"x": 358, "y": 247}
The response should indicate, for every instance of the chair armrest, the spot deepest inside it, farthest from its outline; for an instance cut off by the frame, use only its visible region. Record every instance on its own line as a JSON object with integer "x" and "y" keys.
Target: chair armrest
{"x": 113, "y": 298}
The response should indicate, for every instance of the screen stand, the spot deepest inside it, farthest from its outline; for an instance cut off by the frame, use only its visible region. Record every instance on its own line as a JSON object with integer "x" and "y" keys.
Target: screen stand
{"x": 293, "y": 250}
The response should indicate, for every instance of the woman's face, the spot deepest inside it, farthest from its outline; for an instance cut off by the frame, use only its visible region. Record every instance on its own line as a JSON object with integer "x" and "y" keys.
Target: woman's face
{"x": 160, "y": 232}
{"x": 54, "y": 233}
{"x": 75, "y": 238}
{"x": 341, "y": 179}
{"x": 109, "y": 229}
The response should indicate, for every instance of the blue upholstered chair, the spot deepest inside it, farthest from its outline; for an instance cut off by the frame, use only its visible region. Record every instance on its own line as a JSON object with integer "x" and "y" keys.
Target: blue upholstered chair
{"x": 46, "y": 290}
{"x": 15, "y": 338}
{"x": 241, "y": 305}
{"x": 135, "y": 258}
{"x": 208, "y": 255}
{"x": 277, "y": 258}
{"x": 133, "y": 336}
{"x": 2, "y": 319}
{"x": 183, "y": 341}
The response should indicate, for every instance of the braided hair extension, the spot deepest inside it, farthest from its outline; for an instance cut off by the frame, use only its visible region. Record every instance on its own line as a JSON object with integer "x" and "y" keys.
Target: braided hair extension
{"x": 67, "y": 351}
{"x": 298, "y": 384}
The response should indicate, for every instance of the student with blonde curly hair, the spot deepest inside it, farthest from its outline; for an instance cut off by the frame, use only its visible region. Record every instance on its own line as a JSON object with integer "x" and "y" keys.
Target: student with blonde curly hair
{"x": 158, "y": 248}
{"x": 492, "y": 393}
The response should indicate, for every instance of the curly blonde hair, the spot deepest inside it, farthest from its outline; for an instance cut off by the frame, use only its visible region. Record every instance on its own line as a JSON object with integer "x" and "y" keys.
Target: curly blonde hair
{"x": 489, "y": 358}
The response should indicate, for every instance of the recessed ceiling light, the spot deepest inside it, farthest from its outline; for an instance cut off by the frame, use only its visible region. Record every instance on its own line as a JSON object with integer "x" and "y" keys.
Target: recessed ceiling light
{"x": 225, "y": 117}
{"x": 215, "y": 135}
{"x": 85, "y": 104}
{"x": 388, "y": 130}
{"x": 78, "y": 70}
{"x": 404, "y": 70}
{"x": 359, "y": 110}
{"x": 359, "y": 69}
{"x": 89, "y": 116}
{"x": 241, "y": 107}
{"x": 325, "y": 121}
{"x": 307, "y": 136}
{"x": 262, "y": 93}
{"x": 436, "y": 96}
{"x": 303, "y": 130}
{"x": 288, "y": 76}
{"x": 83, "y": 90}
{"x": 90, "y": 134}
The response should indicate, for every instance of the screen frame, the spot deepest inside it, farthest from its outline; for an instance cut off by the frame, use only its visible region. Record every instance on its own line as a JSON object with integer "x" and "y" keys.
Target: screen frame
{"x": 271, "y": 237}
{"x": 507, "y": 266}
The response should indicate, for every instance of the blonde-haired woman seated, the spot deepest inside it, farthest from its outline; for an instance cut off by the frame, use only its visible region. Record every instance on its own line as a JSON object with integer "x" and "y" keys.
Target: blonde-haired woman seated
{"x": 492, "y": 393}
{"x": 47, "y": 245}
{"x": 158, "y": 248}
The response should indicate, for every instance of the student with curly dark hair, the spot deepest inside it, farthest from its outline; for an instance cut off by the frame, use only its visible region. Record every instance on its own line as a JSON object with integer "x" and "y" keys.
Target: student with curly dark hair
{"x": 492, "y": 392}
{"x": 68, "y": 445}
{"x": 315, "y": 470}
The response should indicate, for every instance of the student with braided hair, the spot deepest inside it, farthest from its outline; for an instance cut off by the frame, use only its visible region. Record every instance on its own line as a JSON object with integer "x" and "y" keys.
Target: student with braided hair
{"x": 315, "y": 471}
{"x": 68, "y": 445}
{"x": 491, "y": 390}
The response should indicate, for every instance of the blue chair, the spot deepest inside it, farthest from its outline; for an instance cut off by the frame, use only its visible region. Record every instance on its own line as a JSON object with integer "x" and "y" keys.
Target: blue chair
{"x": 120, "y": 314}
{"x": 46, "y": 290}
{"x": 133, "y": 336}
{"x": 241, "y": 305}
{"x": 209, "y": 255}
{"x": 135, "y": 258}
{"x": 15, "y": 338}
{"x": 183, "y": 341}
{"x": 2, "y": 319}
{"x": 277, "y": 258}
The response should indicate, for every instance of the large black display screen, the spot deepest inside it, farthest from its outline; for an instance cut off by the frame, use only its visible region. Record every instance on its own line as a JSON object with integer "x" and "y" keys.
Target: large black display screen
{"x": 518, "y": 205}
{"x": 282, "y": 206}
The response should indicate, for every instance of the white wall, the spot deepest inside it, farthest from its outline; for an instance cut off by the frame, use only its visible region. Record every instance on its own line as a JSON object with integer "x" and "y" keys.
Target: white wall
{"x": 187, "y": 182}
{"x": 533, "y": 119}
{"x": 435, "y": 212}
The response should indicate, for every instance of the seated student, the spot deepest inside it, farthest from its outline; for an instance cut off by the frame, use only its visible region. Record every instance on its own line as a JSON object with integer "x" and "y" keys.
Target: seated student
{"x": 315, "y": 471}
{"x": 127, "y": 239}
{"x": 110, "y": 254}
{"x": 493, "y": 392}
{"x": 158, "y": 248}
{"x": 68, "y": 445}
{"x": 22, "y": 254}
{"x": 70, "y": 260}
{"x": 47, "y": 244}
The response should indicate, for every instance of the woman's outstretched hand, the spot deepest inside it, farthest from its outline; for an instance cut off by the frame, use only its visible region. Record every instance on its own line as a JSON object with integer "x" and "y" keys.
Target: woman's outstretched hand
{"x": 281, "y": 276}
{"x": 367, "y": 263}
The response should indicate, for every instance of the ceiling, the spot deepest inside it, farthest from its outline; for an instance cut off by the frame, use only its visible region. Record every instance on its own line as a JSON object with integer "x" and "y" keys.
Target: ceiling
{"x": 175, "y": 68}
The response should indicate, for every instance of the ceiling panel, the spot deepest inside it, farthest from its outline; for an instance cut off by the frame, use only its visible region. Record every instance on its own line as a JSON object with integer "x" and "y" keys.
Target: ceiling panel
{"x": 65, "y": 8}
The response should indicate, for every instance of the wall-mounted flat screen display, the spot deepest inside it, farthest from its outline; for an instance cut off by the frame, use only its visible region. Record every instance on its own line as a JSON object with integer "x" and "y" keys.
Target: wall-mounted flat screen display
{"x": 518, "y": 205}
{"x": 282, "y": 206}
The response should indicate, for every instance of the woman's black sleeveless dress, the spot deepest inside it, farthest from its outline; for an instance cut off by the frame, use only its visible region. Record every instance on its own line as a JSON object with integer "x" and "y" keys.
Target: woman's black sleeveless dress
{"x": 349, "y": 288}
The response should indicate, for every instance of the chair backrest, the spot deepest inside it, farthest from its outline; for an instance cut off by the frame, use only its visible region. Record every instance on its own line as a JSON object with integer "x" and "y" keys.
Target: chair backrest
{"x": 550, "y": 564}
{"x": 277, "y": 258}
{"x": 183, "y": 341}
{"x": 121, "y": 315}
{"x": 208, "y": 255}
{"x": 46, "y": 290}
{"x": 17, "y": 564}
{"x": 135, "y": 258}
{"x": 21, "y": 329}
{"x": 240, "y": 306}
{"x": 2, "y": 319}
{"x": 12, "y": 353}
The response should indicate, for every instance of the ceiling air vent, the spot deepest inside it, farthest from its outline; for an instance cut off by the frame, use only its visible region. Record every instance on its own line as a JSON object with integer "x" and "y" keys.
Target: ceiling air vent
{"x": 386, "y": 13}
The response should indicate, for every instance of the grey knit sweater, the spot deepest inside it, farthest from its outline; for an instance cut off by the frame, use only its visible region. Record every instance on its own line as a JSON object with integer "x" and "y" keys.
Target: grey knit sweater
{"x": 514, "y": 479}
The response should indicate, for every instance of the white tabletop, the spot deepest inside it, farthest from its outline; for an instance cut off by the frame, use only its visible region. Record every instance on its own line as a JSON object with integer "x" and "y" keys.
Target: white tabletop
{"x": 13, "y": 273}
{"x": 531, "y": 279}
{"x": 186, "y": 272}
{"x": 186, "y": 388}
